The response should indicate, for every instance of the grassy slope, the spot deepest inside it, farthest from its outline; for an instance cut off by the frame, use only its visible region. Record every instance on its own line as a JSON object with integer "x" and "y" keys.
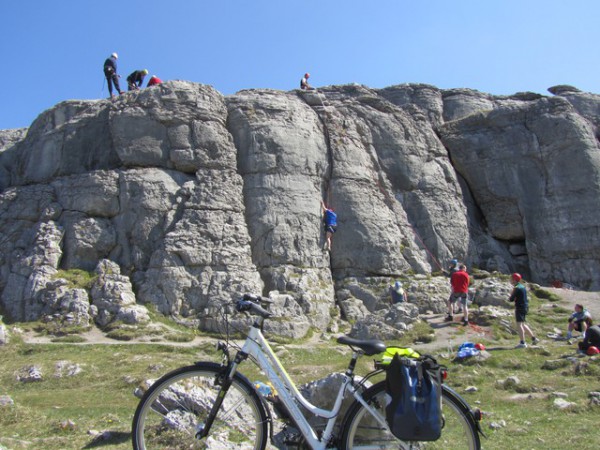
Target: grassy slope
{"x": 101, "y": 397}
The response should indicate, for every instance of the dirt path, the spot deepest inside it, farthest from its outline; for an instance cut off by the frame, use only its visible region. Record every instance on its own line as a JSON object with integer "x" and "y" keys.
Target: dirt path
{"x": 448, "y": 335}
{"x": 590, "y": 300}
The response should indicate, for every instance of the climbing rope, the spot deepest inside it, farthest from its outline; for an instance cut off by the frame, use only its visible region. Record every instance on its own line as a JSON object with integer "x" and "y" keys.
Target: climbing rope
{"x": 323, "y": 118}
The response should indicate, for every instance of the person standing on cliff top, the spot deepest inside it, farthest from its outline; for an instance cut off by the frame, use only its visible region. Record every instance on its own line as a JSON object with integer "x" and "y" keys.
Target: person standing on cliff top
{"x": 519, "y": 297}
{"x": 330, "y": 222}
{"x": 304, "y": 82}
{"x": 110, "y": 72}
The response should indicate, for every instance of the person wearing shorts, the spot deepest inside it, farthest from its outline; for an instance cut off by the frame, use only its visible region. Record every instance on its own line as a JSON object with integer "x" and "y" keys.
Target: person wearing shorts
{"x": 519, "y": 297}
{"x": 459, "y": 281}
{"x": 580, "y": 321}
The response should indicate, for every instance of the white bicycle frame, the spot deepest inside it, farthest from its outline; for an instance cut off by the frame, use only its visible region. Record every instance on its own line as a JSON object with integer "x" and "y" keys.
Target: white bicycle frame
{"x": 257, "y": 346}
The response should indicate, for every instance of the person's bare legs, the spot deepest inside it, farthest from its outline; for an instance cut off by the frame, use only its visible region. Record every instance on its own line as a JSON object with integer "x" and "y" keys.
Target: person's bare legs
{"x": 523, "y": 328}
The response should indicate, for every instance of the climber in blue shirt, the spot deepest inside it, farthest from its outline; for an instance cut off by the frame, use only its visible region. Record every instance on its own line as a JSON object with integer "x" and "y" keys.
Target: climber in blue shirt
{"x": 330, "y": 222}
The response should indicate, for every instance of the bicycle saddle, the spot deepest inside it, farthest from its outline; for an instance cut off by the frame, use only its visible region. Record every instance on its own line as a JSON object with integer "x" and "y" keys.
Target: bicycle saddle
{"x": 369, "y": 346}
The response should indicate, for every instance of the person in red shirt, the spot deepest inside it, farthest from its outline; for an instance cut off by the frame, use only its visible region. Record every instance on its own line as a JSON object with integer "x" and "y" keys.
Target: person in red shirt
{"x": 459, "y": 282}
{"x": 153, "y": 81}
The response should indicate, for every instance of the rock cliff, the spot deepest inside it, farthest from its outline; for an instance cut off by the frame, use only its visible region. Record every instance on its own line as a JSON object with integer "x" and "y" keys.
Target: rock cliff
{"x": 197, "y": 197}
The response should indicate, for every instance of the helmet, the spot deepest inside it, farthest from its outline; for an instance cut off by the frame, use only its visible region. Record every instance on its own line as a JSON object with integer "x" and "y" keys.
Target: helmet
{"x": 480, "y": 346}
{"x": 592, "y": 350}
{"x": 516, "y": 277}
{"x": 114, "y": 55}
{"x": 306, "y": 75}
{"x": 145, "y": 71}
{"x": 454, "y": 262}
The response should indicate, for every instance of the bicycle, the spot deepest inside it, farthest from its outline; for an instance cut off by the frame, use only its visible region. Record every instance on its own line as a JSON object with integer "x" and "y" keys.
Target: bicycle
{"x": 212, "y": 405}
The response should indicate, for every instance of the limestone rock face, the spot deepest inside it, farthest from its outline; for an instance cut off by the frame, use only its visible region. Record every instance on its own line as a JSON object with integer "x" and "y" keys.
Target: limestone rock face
{"x": 197, "y": 198}
{"x": 535, "y": 184}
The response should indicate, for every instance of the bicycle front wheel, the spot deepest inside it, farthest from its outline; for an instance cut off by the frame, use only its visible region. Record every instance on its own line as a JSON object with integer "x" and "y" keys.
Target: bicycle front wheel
{"x": 362, "y": 431}
{"x": 176, "y": 406}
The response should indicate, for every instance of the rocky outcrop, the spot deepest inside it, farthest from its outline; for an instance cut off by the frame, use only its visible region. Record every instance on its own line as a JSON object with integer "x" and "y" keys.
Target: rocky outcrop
{"x": 197, "y": 197}
{"x": 112, "y": 297}
{"x": 536, "y": 186}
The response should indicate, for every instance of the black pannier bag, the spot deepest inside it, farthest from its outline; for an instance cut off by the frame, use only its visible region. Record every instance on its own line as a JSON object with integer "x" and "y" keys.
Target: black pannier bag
{"x": 414, "y": 388}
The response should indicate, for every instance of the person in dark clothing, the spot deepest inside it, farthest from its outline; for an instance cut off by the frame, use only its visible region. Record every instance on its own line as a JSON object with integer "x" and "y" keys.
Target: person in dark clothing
{"x": 591, "y": 339}
{"x": 519, "y": 297}
{"x": 135, "y": 79}
{"x": 453, "y": 268}
{"x": 397, "y": 293}
{"x": 110, "y": 72}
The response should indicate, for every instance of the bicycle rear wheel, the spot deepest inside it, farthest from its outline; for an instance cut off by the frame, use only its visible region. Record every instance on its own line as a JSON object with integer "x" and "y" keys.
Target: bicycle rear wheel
{"x": 362, "y": 431}
{"x": 176, "y": 406}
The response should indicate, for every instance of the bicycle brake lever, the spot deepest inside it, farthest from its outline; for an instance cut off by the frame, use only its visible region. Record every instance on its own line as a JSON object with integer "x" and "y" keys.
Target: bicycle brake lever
{"x": 249, "y": 306}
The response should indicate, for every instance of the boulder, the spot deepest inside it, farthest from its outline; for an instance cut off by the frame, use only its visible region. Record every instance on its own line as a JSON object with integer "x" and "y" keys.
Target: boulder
{"x": 113, "y": 296}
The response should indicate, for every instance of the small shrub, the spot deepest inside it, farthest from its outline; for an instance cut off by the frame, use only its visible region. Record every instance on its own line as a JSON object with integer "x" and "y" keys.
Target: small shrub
{"x": 58, "y": 328}
{"x": 121, "y": 332}
{"x": 77, "y": 278}
{"x": 179, "y": 337}
{"x": 72, "y": 339}
{"x": 543, "y": 294}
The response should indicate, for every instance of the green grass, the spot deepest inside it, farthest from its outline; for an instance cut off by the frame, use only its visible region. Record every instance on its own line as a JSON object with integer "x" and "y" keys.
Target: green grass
{"x": 77, "y": 278}
{"x": 101, "y": 397}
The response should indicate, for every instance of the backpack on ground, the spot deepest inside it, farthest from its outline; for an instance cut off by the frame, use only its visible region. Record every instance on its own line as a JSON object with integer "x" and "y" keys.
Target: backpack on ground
{"x": 414, "y": 388}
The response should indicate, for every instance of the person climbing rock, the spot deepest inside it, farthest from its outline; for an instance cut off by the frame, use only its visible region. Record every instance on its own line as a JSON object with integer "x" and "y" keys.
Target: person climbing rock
{"x": 153, "y": 81}
{"x": 330, "y": 222}
{"x": 135, "y": 79}
{"x": 519, "y": 297}
{"x": 304, "y": 82}
{"x": 110, "y": 72}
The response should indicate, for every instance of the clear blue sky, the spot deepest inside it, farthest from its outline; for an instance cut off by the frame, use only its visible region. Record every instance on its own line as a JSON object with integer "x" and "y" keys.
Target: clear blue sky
{"x": 54, "y": 50}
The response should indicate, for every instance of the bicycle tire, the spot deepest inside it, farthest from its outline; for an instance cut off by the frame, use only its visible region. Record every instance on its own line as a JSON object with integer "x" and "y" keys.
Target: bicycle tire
{"x": 172, "y": 409}
{"x": 362, "y": 431}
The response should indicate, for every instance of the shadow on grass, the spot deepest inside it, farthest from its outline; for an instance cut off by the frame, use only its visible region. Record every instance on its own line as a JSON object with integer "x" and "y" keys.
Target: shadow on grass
{"x": 494, "y": 349}
{"x": 109, "y": 438}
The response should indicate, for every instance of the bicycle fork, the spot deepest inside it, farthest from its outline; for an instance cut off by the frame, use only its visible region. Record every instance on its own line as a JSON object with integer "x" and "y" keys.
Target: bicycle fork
{"x": 225, "y": 380}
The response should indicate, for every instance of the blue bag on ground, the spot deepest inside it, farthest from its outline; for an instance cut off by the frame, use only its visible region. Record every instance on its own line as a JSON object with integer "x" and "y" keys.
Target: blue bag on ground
{"x": 414, "y": 411}
{"x": 467, "y": 349}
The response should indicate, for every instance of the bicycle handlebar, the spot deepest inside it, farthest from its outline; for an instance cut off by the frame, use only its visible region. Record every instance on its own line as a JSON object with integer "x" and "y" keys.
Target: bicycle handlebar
{"x": 251, "y": 303}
